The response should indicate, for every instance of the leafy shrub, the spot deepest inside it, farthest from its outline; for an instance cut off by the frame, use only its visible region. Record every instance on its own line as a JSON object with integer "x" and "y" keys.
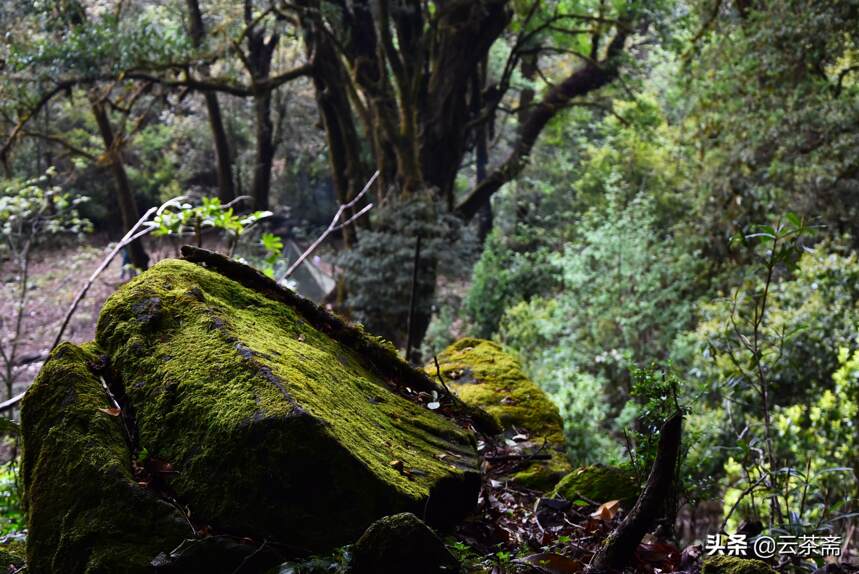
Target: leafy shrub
{"x": 505, "y": 275}
{"x": 12, "y": 517}
{"x": 793, "y": 369}
{"x": 378, "y": 269}
{"x": 811, "y": 315}
{"x": 625, "y": 289}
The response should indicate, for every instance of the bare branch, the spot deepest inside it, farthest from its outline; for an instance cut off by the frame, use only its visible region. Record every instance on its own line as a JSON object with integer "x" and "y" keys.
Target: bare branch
{"x": 334, "y": 225}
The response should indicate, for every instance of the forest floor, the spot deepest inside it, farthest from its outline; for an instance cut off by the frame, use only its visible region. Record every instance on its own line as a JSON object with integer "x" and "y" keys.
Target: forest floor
{"x": 56, "y": 275}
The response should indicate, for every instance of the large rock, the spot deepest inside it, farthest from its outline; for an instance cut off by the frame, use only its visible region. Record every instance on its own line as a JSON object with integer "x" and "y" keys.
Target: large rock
{"x": 483, "y": 375}
{"x": 267, "y": 418}
{"x": 86, "y": 511}
{"x": 401, "y": 543}
{"x": 598, "y": 483}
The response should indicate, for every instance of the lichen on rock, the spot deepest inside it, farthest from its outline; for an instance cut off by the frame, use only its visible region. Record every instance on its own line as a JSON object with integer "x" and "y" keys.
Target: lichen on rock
{"x": 734, "y": 565}
{"x": 484, "y": 375}
{"x": 86, "y": 513}
{"x": 597, "y": 483}
{"x": 280, "y": 422}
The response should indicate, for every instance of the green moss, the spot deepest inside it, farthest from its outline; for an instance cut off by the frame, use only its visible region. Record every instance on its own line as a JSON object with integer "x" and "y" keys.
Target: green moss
{"x": 12, "y": 555}
{"x": 734, "y": 565}
{"x": 275, "y": 427}
{"x": 598, "y": 483}
{"x": 483, "y": 375}
{"x": 86, "y": 513}
{"x": 401, "y": 543}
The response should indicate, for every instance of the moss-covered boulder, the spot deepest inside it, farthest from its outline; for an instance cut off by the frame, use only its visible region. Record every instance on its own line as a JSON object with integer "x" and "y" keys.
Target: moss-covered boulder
{"x": 734, "y": 565}
{"x": 278, "y": 421}
{"x": 598, "y": 483}
{"x": 483, "y": 375}
{"x": 401, "y": 543}
{"x": 86, "y": 511}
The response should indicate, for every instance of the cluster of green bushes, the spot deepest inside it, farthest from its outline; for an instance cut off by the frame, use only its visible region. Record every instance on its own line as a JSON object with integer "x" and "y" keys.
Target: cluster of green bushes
{"x": 622, "y": 251}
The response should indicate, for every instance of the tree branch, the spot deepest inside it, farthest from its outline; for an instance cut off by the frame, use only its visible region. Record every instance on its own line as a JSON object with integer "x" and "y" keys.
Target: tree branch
{"x": 585, "y": 80}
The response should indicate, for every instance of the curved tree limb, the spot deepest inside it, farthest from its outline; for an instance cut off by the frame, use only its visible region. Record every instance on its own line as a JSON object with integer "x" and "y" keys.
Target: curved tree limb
{"x": 591, "y": 77}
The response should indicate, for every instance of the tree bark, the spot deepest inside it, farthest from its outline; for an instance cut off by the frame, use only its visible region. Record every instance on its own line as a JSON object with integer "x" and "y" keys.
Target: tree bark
{"x": 265, "y": 148}
{"x": 223, "y": 158}
{"x": 348, "y": 171}
{"x": 260, "y": 53}
{"x": 587, "y": 79}
{"x": 481, "y": 154}
{"x": 124, "y": 195}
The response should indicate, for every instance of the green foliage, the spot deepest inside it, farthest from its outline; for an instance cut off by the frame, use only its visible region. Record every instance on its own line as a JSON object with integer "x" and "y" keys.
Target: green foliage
{"x": 99, "y": 41}
{"x": 505, "y": 275}
{"x": 185, "y": 219}
{"x": 12, "y": 517}
{"x": 777, "y": 373}
{"x": 814, "y": 312}
{"x": 623, "y": 299}
{"x": 33, "y": 211}
{"x": 770, "y": 110}
{"x": 379, "y": 268}
{"x": 273, "y": 246}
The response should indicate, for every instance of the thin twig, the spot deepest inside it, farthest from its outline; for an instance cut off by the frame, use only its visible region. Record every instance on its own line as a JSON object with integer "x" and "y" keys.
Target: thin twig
{"x": 438, "y": 374}
{"x": 741, "y": 497}
{"x": 133, "y": 234}
{"x": 335, "y": 225}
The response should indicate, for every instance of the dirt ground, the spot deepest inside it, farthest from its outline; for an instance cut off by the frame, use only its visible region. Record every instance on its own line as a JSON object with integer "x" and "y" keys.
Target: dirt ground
{"x": 57, "y": 274}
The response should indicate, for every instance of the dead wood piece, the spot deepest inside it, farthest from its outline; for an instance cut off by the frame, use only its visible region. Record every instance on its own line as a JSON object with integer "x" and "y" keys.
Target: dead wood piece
{"x": 620, "y": 546}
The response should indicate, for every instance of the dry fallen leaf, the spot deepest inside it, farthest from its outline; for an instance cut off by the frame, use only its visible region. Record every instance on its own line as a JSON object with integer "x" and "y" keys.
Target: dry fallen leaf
{"x": 112, "y": 411}
{"x": 606, "y": 510}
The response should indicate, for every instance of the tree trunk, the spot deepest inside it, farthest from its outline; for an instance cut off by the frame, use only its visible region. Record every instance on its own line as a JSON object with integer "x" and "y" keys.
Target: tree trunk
{"x": 124, "y": 195}
{"x": 226, "y": 189}
{"x": 260, "y": 54}
{"x": 261, "y": 185}
{"x": 484, "y": 215}
{"x": 481, "y": 152}
{"x": 348, "y": 172}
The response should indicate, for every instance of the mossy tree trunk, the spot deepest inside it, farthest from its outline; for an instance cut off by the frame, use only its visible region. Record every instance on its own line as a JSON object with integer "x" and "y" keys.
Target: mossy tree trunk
{"x": 405, "y": 75}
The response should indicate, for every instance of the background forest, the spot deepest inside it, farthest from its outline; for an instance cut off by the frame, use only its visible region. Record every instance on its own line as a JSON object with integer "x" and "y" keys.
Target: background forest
{"x": 645, "y": 200}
